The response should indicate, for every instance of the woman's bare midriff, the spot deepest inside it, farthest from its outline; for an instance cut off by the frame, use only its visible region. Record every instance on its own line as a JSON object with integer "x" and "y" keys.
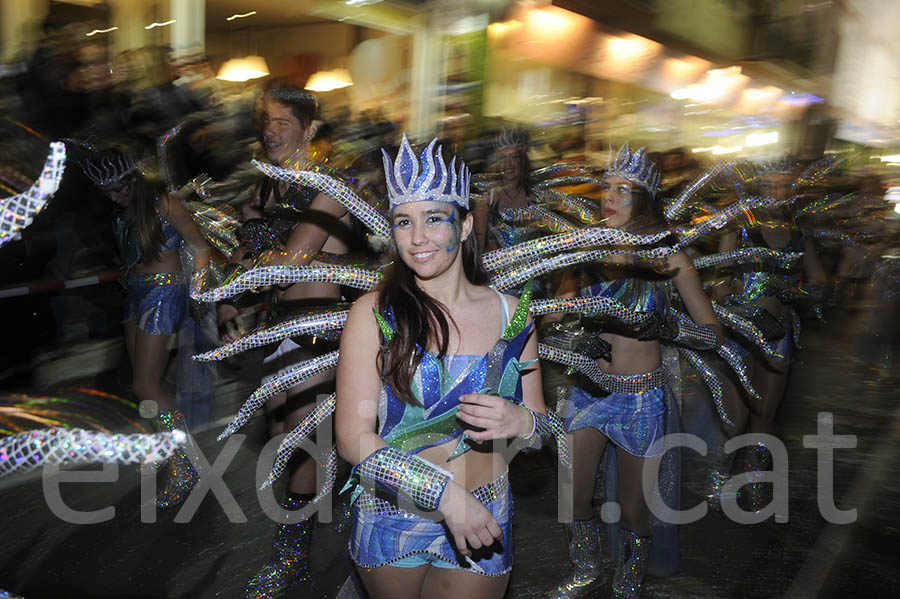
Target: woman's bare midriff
{"x": 169, "y": 261}
{"x": 326, "y": 292}
{"x": 472, "y": 469}
{"x": 630, "y": 356}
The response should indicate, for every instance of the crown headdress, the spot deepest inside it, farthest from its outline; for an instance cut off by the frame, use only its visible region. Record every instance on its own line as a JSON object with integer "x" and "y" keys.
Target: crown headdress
{"x": 425, "y": 177}
{"x": 635, "y": 167}
{"x": 109, "y": 167}
{"x": 511, "y": 138}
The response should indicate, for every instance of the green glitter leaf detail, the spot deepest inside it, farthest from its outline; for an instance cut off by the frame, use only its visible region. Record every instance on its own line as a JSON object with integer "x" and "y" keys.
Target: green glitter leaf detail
{"x": 383, "y": 324}
{"x": 520, "y": 316}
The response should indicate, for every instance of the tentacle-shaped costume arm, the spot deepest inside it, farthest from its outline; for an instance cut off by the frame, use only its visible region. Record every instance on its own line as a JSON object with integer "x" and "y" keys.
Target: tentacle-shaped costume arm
{"x": 795, "y": 326}
{"x": 718, "y": 220}
{"x": 292, "y": 440}
{"x": 709, "y": 376}
{"x": 753, "y": 255}
{"x": 333, "y": 188}
{"x": 539, "y": 216}
{"x": 567, "y": 180}
{"x": 593, "y": 306}
{"x": 29, "y": 450}
{"x": 282, "y": 382}
{"x": 303, "y": 325}
{"x": 581, "y": 208}
{"x": 746, "y": 329}
{"x": 18, "y": 211}
{"x": 552, "y": 244}
{"x": 519, "y": 275}
{"x": 737, "y": 365}
{"x": 679, "y": 205}
{"x": 359, "y": 278}
{"x": 693, "y": 335}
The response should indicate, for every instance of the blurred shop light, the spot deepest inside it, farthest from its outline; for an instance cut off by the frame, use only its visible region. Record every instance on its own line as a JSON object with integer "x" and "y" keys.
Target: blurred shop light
{"x": 360, "y": 2}
{"x": 719, "y": 150}
{"x": 891, "y": 158}
{"x": 153, "y": 25}
{"x": 758, "y": 99}
{"x": 717, "y": 85}
{"x": 241, "y": 16}
{"x": 683, "y": 70}
{"x": 96, "y": 31}
{"x": 243, "y": 69}
{"x": 761, "y": 139}
{"x": 551, "y": 21}
{"x": 631, "y": 47}
{"x": 326, "y": 81}
{"x": 892, "y": 195}
{"x": 503, "y": 27}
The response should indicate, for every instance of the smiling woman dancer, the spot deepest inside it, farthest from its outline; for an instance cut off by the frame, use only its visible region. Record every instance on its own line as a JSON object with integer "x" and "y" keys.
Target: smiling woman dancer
{"x": 411, "y": 376}
{"x": 639, "y": 408}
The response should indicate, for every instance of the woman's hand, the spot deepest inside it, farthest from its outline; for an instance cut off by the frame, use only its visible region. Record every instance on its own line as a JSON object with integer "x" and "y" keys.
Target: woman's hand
{"x": 496, "y": 417}
{"x": 471, "y": 525}
{"x": 225, "y": 315}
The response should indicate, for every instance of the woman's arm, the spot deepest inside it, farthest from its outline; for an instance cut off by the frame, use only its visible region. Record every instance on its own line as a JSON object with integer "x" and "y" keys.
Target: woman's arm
{"x": 309, "y": 237}
{"x": 727, "y": 243}
{"x": 689, "y": 287}
{"x": 171, "y": 208}
{"x": 482, "y": 215}
{"x": 358, "y": 384}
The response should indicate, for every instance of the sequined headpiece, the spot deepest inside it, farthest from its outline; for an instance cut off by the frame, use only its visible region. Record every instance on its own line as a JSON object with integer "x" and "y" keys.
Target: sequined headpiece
{"x": 635, "y": 167}
{"x": 511, "y": 138}
{"x": 109, "y": 167}
{"x": 425, "y": 178}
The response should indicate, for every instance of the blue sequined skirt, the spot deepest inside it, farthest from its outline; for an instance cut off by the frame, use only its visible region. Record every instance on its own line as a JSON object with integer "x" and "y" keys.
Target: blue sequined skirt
{"x": 383, "y": 534}
{"x": 158, "y": 309}
{"x": 633, "y": 421}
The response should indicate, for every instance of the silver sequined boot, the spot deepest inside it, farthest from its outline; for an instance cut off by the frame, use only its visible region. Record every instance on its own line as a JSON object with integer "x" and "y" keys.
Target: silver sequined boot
{"x": 584, "y": 552}
{"x": 717, "y": 477}
{"x": 755, "y": 495}
{"x": 177, "y": 473}
{"x": 632, "y": 568}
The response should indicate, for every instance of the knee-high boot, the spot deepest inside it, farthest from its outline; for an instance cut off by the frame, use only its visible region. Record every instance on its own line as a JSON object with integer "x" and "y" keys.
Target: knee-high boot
{"x": 178, "y": 474}
{"x": 632, "y": 567}
{"x": 289, "y": 563}
{"x": 584, "y": 553}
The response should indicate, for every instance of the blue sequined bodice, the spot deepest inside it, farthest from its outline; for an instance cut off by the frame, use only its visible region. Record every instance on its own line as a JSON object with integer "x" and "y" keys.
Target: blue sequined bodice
{"x": 637, "y": 294}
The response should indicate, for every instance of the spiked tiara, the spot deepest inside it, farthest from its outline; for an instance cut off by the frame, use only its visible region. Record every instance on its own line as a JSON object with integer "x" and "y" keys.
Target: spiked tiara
{"x": 635, "y": 167}
{"x": 511, "y": 138}
{"x": 108, "y": 168}
{"x": 425, "y": 177}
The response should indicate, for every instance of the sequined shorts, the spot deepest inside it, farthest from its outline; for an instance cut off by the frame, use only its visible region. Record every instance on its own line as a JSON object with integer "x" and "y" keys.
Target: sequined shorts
{"x": 157, "y": 303}
{"x": 385, "y": 535}
{"x": 636, "y": 422}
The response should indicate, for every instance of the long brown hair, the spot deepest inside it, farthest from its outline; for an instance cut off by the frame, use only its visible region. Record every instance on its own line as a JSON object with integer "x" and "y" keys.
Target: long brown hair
{"x": 145, "y": 195}
{"x": 419, "y": 320}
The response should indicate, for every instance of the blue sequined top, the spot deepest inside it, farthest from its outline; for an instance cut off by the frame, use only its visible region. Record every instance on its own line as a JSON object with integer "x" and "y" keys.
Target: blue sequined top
{"x": 759, "y": 283}
{"x": 638, "y": 295}
{"x": 438, "y": 385}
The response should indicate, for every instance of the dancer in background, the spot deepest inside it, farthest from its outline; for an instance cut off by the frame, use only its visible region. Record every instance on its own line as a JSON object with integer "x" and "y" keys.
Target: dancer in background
{"x": 150, "y": 226}
{"x": 640, "y": 409}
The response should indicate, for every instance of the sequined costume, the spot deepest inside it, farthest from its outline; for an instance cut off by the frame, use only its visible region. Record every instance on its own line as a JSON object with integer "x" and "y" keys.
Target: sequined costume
{"x": 760, "y": 281}
{"x": 156, "y": 302}
{"x": 384, "y": 534}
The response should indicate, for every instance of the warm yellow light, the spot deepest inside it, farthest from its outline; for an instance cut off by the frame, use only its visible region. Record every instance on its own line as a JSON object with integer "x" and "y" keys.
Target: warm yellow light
{"x": 243, "y": 69}
{"x": 630, "y": 47}
{"x": 326, "y": 81}
{"x": 96, "y": 31}
{"x": 550, "y": 21}
{"x": 717, "y": 84}
{"x": 891, "y": 158}
{"x": 719, "y": 150}
{"x": 241, "y": 16}
{"x": 502, "y": 27}
{"x": 152, "y": 25}
{"x": 761, "y": 139}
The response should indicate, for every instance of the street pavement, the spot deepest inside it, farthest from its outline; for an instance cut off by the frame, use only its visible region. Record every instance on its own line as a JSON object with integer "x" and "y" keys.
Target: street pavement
{"x": 214, "y": 554}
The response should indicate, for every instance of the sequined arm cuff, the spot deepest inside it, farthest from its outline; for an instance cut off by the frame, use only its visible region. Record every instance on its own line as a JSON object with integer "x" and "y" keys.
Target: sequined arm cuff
{"x": 695, "y": 336}
{"x": 398, "y": 472}
{"x": 547, "y": 429}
